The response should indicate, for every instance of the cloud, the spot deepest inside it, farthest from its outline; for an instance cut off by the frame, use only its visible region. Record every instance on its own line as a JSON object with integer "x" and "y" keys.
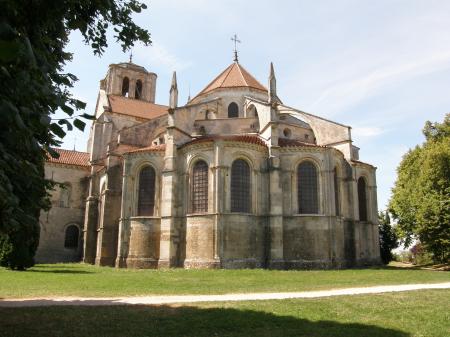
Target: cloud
{"x": 160, "y": 56}
{"x": 346, "y": 94}
{"x": 366, "y": 131}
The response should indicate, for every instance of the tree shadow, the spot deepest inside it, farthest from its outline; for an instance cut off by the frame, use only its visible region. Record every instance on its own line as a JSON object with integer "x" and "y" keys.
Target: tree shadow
{"x": 59, "y": 271}
{"x": 181, "y": 321}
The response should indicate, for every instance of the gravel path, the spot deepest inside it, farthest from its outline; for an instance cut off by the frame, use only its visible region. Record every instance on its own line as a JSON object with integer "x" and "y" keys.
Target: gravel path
{"x": 157, "y": 300}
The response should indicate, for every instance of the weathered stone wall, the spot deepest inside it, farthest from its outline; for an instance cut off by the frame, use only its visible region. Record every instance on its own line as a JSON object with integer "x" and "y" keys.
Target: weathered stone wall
{"x": 67, "y": 209}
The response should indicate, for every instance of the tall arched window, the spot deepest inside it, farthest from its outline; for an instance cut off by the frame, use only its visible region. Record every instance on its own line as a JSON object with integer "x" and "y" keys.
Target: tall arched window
{"x": 336, "y": 192}
{"x": 233, "y": 110}
{"x": 240, "y": 186}
{"x": 200, "y": 187}
{"x": 307, "y": 188}
{"x": 125, "y": 86}
{"x": 71, "y": 237}
{"x": 146, "y": 198}
{"x": 362, "y": 199}
{"x": 138, "y": 90}
{"x": 64, "y": 196}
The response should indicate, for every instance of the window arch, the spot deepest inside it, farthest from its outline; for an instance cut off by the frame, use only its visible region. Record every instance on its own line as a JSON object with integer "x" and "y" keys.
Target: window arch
{"x": 287, "y": 133}
{"x": 240, "y": 186}
{"x": 337, "y": 201}
{"x": 125, "y": 86}
{"x": 71, "y": 237}
{"x": 64, "y": 196}
{"x": 362, "y": 199}
{"x": 307, "y": 188}
{"x": 138, "y": 89}
{"x": 199, "y": 187}
{"x": 233, "y": 110}
{"x": 146, "y": 197}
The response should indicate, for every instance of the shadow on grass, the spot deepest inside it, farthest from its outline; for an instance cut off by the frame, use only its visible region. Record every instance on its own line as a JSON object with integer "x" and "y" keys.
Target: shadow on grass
{"x": 184, "y": 321}
{"x": 59, "y": 271}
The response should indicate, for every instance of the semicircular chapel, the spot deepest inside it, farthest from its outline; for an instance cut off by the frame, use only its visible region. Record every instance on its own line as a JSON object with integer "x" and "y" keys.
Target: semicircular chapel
{"x": 234, "y": 178}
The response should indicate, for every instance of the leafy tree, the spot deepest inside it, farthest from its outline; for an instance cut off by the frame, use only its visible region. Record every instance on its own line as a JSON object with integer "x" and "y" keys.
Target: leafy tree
{"x": 388, "y": 237}
{"x": 420, "y": 199}
{"x": 33, "y": 86}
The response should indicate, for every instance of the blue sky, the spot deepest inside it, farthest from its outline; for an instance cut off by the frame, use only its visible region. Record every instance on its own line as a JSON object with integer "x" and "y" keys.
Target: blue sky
{"x": 382, "y": 67}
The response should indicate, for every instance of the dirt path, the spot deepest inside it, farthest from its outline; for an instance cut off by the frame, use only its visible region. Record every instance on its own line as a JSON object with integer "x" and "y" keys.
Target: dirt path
{"x": 171, "y": 299}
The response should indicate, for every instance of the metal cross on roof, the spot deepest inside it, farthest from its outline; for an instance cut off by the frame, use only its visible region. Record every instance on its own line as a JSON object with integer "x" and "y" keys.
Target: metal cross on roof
{"x": 131, "y": 57}
{"x": 236, "y": 41}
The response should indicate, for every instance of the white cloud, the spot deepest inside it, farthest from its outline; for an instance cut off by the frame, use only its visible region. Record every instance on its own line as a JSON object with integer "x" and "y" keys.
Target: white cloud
{"x": 160, "y": 56}
{"x": 345, "y": 94}
{"x": 366, "y": 131}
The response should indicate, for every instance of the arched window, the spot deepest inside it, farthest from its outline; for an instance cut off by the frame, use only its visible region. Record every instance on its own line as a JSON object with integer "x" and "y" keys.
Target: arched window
{"x": 240, "y": 186}
{"x": 138, "y": 90}
{"x": 233, "y": 110}
{"x": 146, "y": 197}
{"x": 287, "y": 133}
{"x": 307, "y": 188}
{"x": 71, "y": 237}
{"x": 362, "y": 199}
{"x": 125, "y": 86}
{"x": 64, "y": 196}
{"x": 336, "y": 192}
{"x": 200, "y": 187}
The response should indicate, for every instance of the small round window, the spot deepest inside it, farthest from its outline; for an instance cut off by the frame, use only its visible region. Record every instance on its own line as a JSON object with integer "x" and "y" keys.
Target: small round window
{"x": 287, "y": 133}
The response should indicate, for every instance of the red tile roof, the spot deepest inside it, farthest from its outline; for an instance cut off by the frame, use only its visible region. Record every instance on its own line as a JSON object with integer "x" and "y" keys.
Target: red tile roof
{"x": 283, "y": 142}
{"x": 68, "y": 157}
{"x": 150, "y": 148}
{"x": 136, "y": 108}
{"x": 234, "y": 76}
{"x": 252, "y": 139}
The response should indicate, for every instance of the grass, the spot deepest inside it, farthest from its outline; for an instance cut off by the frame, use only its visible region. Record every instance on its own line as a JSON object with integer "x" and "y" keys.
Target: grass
{"x": 408, "y": 314}
{"x": 87, "y": 280}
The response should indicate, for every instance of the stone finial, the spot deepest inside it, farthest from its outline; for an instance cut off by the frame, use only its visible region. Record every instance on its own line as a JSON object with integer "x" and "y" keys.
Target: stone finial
{"x": 272, "y": 85}
{"x": 173, "y": 102}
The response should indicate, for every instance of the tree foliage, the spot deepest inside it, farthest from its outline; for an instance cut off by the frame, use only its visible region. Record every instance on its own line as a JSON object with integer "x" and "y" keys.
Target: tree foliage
{"x": 420, "y": 199}
{"x": 33, "y": 86}
{"x": 388, "y": 237}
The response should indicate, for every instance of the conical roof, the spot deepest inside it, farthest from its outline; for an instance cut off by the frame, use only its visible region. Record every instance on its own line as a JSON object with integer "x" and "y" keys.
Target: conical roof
{"x": 235, "y": 76}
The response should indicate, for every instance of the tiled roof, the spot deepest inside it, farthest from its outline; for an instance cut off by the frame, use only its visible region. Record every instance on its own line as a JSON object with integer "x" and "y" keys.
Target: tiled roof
{"x": 136, "y": 108}
{"x": 252, "y": 139}
{"x": 234, "y": 76}
{"x": 283, "y": 142}
{"x": 361, "y": 162}
{"x": 68, "y": 157}
{"x": 150, "y": 148}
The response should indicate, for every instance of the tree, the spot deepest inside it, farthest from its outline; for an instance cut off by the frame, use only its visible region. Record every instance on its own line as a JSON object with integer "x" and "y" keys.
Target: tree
{"x": 33, "y": 86}
{"x": 420, "y": 199}
{"x": 388, "y": 237}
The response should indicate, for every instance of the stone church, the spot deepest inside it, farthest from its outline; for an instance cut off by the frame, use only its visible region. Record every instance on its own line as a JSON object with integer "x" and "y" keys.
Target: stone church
{"x": 234, "y": 178}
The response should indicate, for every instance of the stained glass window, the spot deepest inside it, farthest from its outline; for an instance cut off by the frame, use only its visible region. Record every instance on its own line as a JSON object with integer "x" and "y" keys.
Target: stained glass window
{"x": 362, "y": 199}
{"x": 146, "y": 197}
{"x": 307, "y": 188}
{"x": 200, "y": 187}
{"x": 240, "y": 186}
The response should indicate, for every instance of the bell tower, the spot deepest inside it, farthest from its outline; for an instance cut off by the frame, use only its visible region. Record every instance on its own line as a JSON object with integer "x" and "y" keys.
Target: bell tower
{"x": 130, "y": 80}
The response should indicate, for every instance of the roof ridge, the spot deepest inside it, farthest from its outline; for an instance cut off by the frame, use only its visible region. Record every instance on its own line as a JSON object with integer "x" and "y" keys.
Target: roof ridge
{"x": 228, "y": 73}
{"x": 242, "y": 75}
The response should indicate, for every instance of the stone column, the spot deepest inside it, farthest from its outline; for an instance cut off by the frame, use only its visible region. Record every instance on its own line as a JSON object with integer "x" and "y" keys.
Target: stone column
{"x": 124, "y": 221}
{"x": 90, "y": 229}
{"x": 167, "y": 248}
{"x": 219, "y": 196}
{"x": 276, "y": 255}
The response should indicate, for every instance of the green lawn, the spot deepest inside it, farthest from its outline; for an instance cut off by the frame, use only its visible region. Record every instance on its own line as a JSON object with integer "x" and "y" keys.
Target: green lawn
{"x": 408, "y": 314}
{"x": 87, "y": 280}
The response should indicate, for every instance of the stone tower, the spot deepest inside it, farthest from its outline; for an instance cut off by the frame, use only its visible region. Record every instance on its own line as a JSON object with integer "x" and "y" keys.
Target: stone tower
{"x": 130, "y": 80}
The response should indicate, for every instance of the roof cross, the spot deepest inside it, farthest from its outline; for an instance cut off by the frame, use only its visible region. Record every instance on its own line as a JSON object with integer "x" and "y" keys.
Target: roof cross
{"x": 131, "y": 57}
{"x": 236, "y": 41}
